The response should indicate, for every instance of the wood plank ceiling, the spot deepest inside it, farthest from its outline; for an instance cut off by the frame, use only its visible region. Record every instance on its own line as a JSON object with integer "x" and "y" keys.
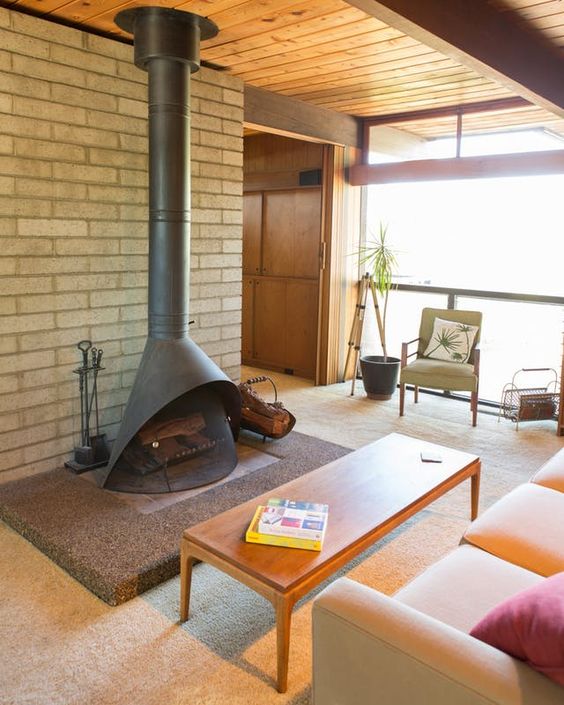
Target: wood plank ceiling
{"x": 331, "y": 54}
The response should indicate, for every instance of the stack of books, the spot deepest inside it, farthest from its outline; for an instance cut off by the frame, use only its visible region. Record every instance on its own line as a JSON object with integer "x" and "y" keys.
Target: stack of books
{"x": 285, "y": 522}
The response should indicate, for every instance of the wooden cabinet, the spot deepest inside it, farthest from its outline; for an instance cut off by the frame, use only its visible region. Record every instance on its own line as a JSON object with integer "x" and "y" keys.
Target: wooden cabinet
{"x": 281, "y": 263}
{"x": 280, "y": 324}
{"x": 291, "y": 233}
{"x": 270, "y": 313}
{"x": 252, "y": 233}
{"x": 281, "y": 233}
{"x": 302, "y": 305}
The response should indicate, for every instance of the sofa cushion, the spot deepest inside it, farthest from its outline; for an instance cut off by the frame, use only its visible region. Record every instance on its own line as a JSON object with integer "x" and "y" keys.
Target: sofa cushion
{"x": 525, "y": 527}
{"x": 530, "y": 627}
{"x": 551, "y": 474}
{"x": 464, "y": 585}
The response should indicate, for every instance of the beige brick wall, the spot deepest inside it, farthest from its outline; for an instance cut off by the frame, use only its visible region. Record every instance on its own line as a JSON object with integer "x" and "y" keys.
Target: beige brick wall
{"x": 73, "y": 229}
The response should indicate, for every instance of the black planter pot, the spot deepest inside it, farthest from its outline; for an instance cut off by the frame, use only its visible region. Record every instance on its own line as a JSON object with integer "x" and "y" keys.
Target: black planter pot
{"x": 379, "y": 378}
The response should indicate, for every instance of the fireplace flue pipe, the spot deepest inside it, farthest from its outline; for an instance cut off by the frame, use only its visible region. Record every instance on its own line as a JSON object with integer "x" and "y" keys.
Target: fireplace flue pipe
{"x": 167, "y": 46}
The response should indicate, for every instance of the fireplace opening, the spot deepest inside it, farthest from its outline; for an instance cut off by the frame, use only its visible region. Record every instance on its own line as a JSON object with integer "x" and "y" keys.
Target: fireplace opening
{"x": 187, "y": 444}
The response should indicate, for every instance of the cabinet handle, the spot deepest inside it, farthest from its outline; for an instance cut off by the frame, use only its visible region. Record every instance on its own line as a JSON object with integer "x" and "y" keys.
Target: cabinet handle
{"x": 322, "y": 254}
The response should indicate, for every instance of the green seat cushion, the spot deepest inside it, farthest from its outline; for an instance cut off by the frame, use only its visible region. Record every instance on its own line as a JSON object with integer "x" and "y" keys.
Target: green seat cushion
{"x": 440, "y": 374}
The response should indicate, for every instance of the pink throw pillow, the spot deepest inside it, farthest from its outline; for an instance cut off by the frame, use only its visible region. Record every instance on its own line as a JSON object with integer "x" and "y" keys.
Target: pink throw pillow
{"x": 530, "y": 627}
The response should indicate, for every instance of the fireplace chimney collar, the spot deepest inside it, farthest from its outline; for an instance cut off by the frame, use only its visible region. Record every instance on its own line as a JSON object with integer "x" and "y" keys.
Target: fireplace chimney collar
{"x": 164, "y": 33}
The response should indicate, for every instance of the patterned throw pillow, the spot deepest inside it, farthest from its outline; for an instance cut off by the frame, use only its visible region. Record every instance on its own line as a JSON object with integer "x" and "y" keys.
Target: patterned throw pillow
{"x": 451, "y": 341}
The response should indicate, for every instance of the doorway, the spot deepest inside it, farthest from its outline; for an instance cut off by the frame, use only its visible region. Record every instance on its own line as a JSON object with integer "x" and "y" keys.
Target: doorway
{"x": 282, "y": 253}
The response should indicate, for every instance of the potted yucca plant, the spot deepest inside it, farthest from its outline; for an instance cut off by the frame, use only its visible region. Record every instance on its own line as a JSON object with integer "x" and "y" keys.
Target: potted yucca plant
{"x": 380, "y": 372}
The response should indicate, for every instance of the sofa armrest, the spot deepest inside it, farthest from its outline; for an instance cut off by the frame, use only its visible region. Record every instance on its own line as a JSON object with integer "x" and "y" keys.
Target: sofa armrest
{"x": 372, "y": 649}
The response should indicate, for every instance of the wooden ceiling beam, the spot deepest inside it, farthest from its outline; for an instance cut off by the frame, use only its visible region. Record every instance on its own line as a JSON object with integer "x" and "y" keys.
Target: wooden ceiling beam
{"x": 294, "y": 118}
{"x": 482, "y": 167}
{"x": 484, "y": 39}
{"x": 485, "y": 106}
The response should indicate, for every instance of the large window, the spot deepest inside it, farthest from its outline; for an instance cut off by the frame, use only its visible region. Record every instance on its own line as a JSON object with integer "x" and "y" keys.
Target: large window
{"x": 498, "y": 234}
{"x": 495, "y": 235}
{"x": 388, "y": 144}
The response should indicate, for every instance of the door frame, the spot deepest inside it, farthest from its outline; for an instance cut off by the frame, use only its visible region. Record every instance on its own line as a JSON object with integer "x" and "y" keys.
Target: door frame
{"x": 340, "y": 240}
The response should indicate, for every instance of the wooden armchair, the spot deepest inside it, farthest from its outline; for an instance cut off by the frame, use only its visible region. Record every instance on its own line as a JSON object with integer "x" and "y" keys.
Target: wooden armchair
{"x": 425, "y": 371}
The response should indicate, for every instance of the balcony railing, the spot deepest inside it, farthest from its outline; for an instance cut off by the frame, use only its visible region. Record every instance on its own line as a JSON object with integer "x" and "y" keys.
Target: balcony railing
{"x": 519, "y": 330}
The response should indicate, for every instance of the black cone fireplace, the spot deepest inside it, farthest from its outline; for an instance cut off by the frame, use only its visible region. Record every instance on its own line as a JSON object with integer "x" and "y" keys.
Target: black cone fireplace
{"x": 183, "y": 414}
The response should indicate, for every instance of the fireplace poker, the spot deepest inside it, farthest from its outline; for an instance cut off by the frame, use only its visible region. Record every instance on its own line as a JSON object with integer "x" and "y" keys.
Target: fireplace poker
{"x": 80, "y": 373}
{"x": 96, "y": 366}
{"x": 84, "y": 346}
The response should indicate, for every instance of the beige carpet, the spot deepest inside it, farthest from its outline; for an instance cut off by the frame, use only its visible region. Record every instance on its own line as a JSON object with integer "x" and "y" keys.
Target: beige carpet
{"x": 61, "y": 645}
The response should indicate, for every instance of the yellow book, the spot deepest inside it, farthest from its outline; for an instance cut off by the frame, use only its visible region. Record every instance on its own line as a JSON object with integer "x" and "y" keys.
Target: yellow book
{"x": 254, "y": 536}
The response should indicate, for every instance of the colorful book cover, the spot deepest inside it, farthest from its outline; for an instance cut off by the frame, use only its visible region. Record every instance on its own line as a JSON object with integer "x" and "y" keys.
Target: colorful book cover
{"x": 253, "y": 535}
{"x": 298, "y": 504}
{"x": 291, "y": 522}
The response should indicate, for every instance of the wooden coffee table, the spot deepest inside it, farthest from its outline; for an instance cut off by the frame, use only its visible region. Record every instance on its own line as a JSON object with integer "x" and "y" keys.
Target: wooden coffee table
{"x": 370, "y": 491}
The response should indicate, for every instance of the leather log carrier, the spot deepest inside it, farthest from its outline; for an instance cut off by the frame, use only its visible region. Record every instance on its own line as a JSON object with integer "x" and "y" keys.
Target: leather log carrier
{"x": 266, "y": 418}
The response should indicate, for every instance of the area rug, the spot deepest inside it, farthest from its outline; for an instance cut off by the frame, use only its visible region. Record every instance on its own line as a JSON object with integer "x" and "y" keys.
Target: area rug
{"x": 117, "y": 552}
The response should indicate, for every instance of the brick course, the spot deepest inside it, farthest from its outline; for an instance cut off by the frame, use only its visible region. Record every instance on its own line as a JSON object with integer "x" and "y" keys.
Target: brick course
{"x": 73, "y": 229}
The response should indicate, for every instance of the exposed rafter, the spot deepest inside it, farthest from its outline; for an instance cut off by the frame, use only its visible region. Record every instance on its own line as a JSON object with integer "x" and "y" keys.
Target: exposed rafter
{"x": 482, "y": 38}
{"x": 294, "y": 118}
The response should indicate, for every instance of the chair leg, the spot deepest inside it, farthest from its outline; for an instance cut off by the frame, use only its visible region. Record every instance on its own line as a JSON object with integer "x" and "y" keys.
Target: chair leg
{"x": 474, "y": 407}
{"x": 402, "y": 398}
{"x": 416, "y": 394}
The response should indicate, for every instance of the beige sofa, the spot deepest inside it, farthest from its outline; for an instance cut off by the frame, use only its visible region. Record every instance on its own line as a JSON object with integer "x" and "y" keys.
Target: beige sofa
{"x": 414, "y": 648}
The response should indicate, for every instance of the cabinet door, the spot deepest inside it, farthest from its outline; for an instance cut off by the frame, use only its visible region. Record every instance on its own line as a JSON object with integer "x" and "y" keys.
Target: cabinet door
{"x": 307, "y": 233}
{"x": 247, "y": 343}
{"x": 291, "y": 233}
{"x": 270, "y": 322}
{"x": 301, "y": 344}
{"x": 252, "y": 232}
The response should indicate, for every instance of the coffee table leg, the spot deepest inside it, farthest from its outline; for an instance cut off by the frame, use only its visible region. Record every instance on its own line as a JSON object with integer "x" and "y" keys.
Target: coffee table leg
{"x": 475, "y": 493}
{"x": 186, "y": 563}
{"x": 283, "y": 607}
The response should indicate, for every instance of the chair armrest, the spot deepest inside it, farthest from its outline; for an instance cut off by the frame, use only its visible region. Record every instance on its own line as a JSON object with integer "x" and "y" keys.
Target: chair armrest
{"x": 476, "y": 354}
{"x": 405, "y": 352}
{"x": 369, "y": 649}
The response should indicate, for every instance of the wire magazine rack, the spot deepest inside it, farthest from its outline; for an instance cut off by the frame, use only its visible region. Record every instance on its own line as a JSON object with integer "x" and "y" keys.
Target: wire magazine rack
{"x": 528, "y": 403}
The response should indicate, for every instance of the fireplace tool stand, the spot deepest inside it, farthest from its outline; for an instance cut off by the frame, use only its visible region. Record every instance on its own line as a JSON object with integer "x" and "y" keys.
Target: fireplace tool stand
{"x": 93, "y": 451}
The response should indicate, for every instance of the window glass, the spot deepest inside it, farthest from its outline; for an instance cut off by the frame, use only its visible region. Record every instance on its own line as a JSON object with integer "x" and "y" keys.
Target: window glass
{"x": 517, "y": 335}
{"x": 504, "y": 234}
{"x": 408, "y": 141}
{"x": 436, "y": 139}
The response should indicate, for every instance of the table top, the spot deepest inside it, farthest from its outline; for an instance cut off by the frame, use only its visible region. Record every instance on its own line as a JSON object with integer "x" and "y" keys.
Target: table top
{"x": 366, "y": 490}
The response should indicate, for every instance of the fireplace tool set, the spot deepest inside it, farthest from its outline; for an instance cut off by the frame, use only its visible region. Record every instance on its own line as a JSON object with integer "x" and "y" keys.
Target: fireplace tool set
{"x": 93, "y": 451}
